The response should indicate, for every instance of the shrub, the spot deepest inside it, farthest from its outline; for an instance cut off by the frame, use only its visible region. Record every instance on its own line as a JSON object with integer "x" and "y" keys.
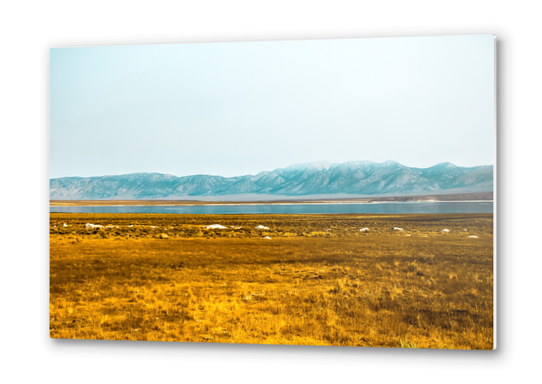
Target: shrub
{"x": 429, "y": 259}
{"x": 413, "y": 267}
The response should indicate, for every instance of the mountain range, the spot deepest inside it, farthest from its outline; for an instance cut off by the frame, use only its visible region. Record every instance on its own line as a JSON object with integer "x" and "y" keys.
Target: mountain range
{"x": 317, "y": 178}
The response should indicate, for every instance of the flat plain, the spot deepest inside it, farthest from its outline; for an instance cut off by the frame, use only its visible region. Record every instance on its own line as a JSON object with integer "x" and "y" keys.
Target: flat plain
{"x": 302, "y": 279}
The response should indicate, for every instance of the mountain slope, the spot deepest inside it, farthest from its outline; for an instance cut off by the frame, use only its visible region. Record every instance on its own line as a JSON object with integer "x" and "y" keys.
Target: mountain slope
{"x": 355, "y": 177}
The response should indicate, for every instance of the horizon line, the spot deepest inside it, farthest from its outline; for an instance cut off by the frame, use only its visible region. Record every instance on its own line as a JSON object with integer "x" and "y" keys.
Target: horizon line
{"x": 293, "y": 165}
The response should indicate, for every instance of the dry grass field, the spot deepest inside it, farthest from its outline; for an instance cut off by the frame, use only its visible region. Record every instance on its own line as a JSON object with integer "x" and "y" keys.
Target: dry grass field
{"x": 317, "y": 280}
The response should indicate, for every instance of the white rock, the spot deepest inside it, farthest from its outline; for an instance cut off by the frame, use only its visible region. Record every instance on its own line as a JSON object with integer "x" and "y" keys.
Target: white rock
{"x": 397, "y": 229}
{"x": 261, "y": 227}
{"x": 364, "y": 229}
{"x": 91, "y": 226}
{"x": 445, "y": 230}
{"x": 473, "y": 237}
{"x": 154, "y": 226}
{"x": 267, "y": 237}
{"x": 64, "y": 225}
{"x": 215, "y": 226}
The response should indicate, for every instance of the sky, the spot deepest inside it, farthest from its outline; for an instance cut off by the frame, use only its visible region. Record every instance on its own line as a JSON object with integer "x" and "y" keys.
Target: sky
{"x": 240, "y": 108}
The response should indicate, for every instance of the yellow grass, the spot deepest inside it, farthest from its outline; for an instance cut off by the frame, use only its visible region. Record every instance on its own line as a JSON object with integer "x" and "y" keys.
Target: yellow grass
{"x": 318, "y": 281}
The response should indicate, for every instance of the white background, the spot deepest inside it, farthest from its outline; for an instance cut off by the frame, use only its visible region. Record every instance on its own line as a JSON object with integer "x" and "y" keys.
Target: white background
{"x": 28, "y": 29}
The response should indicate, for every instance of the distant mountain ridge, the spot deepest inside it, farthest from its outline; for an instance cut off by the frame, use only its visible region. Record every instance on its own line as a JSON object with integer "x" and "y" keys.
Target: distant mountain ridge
{"x": 317, "y": 178}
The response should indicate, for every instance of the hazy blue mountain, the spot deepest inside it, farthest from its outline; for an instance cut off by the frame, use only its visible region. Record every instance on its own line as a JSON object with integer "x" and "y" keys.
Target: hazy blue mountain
{"x": 319, "y": 178}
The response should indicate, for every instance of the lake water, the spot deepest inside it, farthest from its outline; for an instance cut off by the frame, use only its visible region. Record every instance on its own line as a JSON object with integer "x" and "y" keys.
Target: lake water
{"x": 433, "y": 207}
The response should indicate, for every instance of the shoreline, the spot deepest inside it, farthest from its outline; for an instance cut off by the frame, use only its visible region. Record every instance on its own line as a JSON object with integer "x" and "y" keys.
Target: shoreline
{"x": 248, "y": 203}
{"x": 445, "y": 198}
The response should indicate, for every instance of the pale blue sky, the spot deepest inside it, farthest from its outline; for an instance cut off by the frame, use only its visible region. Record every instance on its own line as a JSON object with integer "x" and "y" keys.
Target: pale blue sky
{"x": 240, "y": 108}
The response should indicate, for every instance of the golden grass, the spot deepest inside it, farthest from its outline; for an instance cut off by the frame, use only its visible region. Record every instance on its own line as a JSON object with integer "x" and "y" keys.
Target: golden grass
{"x": 318, "y": 281}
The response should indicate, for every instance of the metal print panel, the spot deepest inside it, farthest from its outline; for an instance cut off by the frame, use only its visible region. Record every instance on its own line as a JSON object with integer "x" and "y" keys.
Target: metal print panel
{"x": 318, "y": 192}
